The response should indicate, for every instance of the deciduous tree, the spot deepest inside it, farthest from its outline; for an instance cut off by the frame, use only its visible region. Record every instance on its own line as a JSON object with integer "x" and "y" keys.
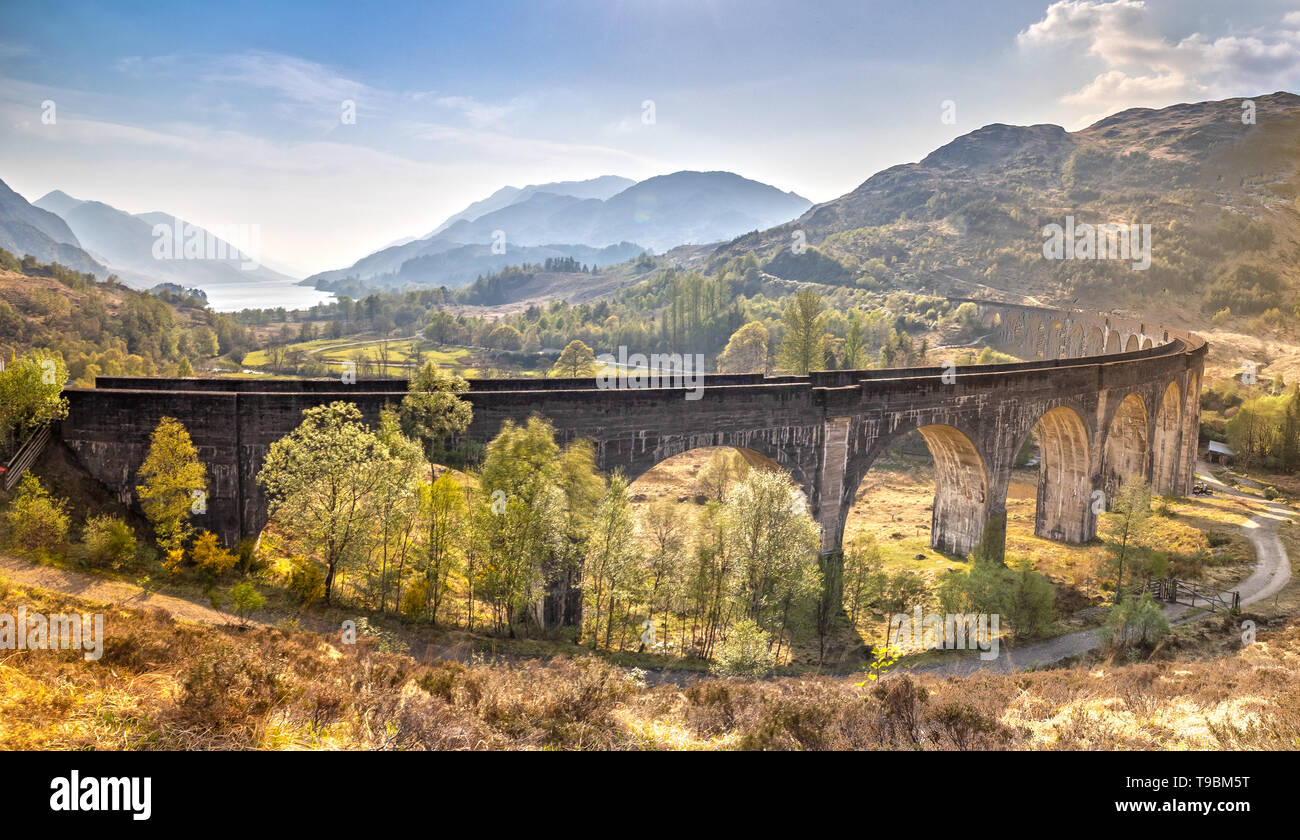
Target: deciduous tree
{"x": 325, "y": 478}
{"x": 173, "y": 484}
{"x": 577, "y": 359}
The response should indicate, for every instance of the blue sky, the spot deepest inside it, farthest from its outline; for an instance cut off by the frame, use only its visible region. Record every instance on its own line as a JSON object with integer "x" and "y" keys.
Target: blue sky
{"x": 231, "y": 113}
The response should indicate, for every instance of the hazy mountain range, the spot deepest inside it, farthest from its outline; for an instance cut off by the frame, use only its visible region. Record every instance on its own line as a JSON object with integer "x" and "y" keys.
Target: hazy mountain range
{"x": 599, "y": 188}
{"x": 25, "y": 229}
{"x": 125, "y": 243}
{"x": 598, "y": 222}
{"x": 573, "y": 217}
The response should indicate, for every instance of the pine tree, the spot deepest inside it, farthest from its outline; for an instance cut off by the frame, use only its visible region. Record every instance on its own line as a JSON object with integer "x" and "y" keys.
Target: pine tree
{"x": 804, "y": 346}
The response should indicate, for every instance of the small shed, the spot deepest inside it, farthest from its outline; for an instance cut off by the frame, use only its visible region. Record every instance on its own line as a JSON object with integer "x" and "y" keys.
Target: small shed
{"x": 1219, "y": 453}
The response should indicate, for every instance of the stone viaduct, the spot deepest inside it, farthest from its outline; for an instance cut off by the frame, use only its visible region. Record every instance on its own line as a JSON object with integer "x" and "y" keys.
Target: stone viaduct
{"x": 1109, "y": 397}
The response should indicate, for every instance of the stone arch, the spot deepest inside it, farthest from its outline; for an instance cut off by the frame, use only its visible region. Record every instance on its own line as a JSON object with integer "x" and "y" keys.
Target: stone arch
{"x": 1074, "y": 344}
{"x": 756, "y": 450}
{"x": 1016, "y": 329}
{"x": 1146, "y": 344}
{"x": 1095, "y": 344}
{"x": 1112, "y": 342}
{"x": 1166, "y": 451}
{"x": 1132, "y": 343}
{"x": 961, "y": 485}
{"x": 961, "y": 489}
{"x": 1125, "y": 452}
{"x": 1036, "y": 338}
{"x": 1055, "y": 339}
{"x": 1064, "y": 508}
{"x": 753, "y": 457}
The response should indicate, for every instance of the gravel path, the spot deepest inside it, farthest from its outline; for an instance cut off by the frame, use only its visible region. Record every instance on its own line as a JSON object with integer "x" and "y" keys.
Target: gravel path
{"x": 1272, "y": 571}
{"x": 117, "y": 592}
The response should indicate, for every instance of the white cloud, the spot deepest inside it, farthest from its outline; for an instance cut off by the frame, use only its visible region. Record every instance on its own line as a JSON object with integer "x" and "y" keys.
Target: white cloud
{"x": 1116, "y": 86}
{"x": 294, "y": 78}
{"x": 477, "y": 113}
{"x": 1143, "y": 68}
{"x": 10, "y": 50}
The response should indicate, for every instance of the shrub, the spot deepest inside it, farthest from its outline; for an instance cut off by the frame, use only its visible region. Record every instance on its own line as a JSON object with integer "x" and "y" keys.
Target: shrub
{"x": 1135, "y": 620}
{"x": 1025, "y": 597}
{"x": 250, "y": 561}
{"x": 746, "y": 652}
{"x": 174, "y": 560}
{"x": 415, "y": 599}
{"x": 229, "y": 688}
{"x": 440, "y": 679}
{"x": 964, "y": 725}
{"x": 306, "y": 580}
{"x": 108, "y": 541}
{"x": 903, "y": 591}
{"x": 210, "y": 557}
{"x": 715, "y": 708}
{"x": 36, "y": 520}
{"x": 244, "y": 599}
{"x": 1033, "y": 602}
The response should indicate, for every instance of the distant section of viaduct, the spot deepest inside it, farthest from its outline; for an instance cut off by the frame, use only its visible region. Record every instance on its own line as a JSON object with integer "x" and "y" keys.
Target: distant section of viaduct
{"x": 1110, "y": 398}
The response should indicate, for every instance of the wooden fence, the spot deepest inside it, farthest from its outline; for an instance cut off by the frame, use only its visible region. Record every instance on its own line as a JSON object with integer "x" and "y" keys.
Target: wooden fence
{"x": 1174, "y": 591}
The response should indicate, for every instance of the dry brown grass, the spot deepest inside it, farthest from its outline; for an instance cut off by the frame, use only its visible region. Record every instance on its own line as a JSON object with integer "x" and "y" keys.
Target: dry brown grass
{"x": 168, "y": 685}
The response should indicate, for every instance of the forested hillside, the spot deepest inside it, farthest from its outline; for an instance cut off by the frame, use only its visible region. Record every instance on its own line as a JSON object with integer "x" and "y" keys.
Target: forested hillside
{"x": 103, "y": 327}
{"x": 1216, "y": 182}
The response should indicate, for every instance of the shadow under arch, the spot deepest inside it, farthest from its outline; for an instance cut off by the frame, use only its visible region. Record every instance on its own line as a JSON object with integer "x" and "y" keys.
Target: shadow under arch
{"x": 1125, "y": 453}
{"x": 1167, "y": 449}
{"x": 1064, "y": 510}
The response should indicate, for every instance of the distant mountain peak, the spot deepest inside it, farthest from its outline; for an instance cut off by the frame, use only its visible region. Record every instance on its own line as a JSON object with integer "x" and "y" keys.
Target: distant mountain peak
{"x": 125, "y": 243}
{"x": 28, "y": 229}
{"x": 659, "y": 213}
{"x": 601, "y": 187}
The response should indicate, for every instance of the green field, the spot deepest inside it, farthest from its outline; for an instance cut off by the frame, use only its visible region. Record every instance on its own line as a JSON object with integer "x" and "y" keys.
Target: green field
{"x": 402, "y": 354}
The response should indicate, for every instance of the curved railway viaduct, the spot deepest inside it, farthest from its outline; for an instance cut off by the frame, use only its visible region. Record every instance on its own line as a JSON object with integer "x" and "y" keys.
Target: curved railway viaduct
{"x": 1110, "y": 398}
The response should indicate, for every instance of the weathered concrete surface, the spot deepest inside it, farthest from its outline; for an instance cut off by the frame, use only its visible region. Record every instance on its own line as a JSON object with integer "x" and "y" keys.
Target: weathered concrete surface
{"x": 1100, "y": 418}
